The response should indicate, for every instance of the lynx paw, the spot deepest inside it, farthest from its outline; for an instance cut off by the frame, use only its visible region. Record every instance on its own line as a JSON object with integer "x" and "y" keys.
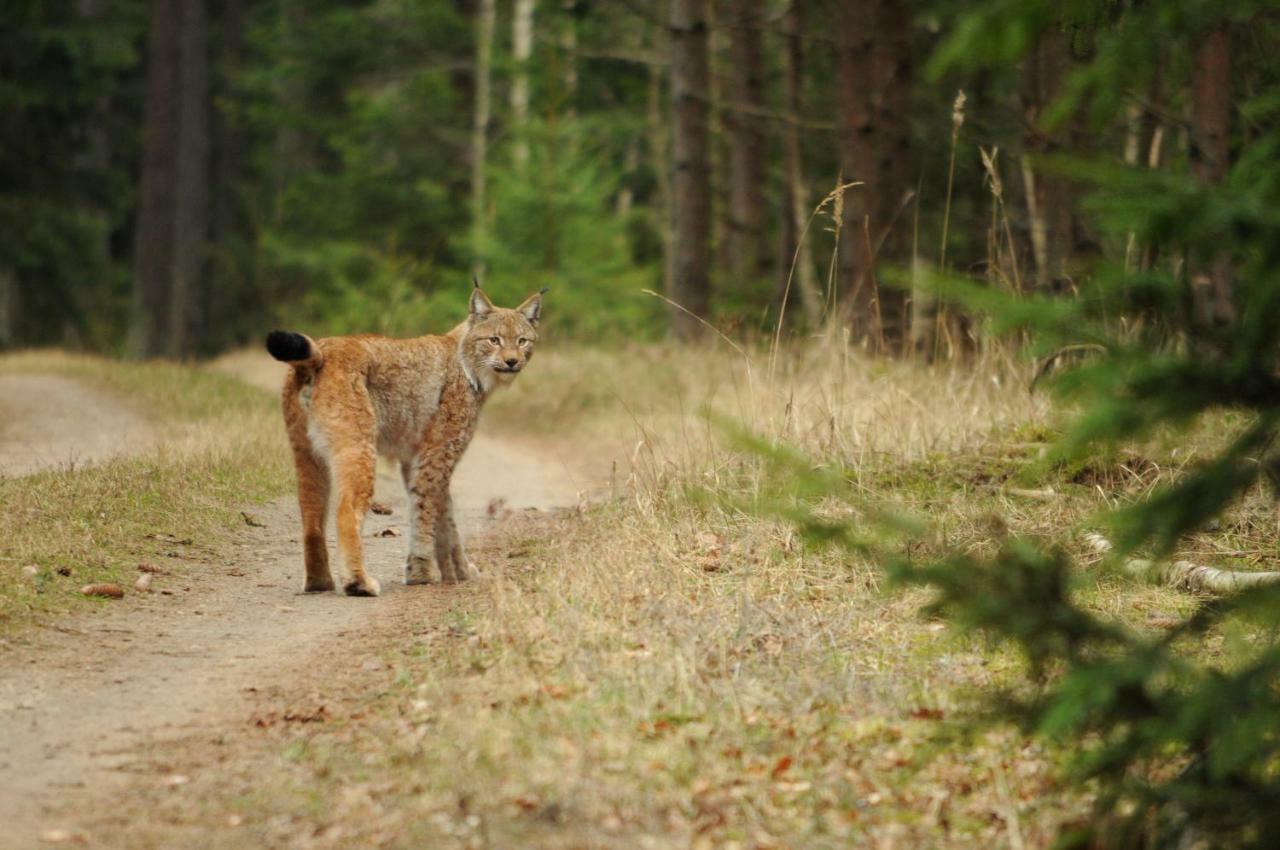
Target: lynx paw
{"x": 368, "y": 586}
{"x": 459, "y": 569}
{"x": 318, "y": 585}
{"x": 420, "y": 570}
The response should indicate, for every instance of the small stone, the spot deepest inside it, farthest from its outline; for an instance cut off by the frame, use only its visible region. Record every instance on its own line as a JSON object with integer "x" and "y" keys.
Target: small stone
{"x": 175, "y": 780}
{"x": 30, "y": 570}
{"x": 143, "y": 584}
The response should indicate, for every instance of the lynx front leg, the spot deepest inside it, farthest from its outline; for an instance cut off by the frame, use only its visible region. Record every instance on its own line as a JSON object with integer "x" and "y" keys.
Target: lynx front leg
{"x": 423, "y": 565}
{"x": 434, "y": 546}
{"x": 449, "y": 551}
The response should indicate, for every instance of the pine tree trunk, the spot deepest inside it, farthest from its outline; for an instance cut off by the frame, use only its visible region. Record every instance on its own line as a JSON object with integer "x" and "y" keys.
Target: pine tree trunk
{"x": 228, "y": 294}
{"x": 173, "y": 197}
{"x": 691, "y": 193}
{"x": 894, "y": 190}
{"x": 8, "y": 308}
{"x": 873, "y": 70}
{"x": 521, "y": 51}
{"x": 747, "y": 258}
{"x": 485, "y": 15}
{"x": 794, "y": 212}
{"x": 660, "y": 165}
{"x": 1048, "y": 196}
{"x": 856, "y": 22}
{"x": 1210, "y": 138}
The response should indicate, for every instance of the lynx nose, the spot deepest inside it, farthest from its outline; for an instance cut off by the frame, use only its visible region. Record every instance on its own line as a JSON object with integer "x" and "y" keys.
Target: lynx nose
{"x": 511, "y": 361}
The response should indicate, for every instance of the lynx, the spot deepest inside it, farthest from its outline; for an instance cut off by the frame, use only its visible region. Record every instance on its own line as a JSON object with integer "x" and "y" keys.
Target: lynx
{"x": 416, "y": 401}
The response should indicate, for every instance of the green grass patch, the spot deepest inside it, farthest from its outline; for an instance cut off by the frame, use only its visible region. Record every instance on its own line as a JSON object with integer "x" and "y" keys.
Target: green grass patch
{"x": 220, "y": 446}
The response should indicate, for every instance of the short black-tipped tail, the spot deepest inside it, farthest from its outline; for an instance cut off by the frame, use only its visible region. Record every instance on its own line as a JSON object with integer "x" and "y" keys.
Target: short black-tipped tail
{"x": 292, "y": 348}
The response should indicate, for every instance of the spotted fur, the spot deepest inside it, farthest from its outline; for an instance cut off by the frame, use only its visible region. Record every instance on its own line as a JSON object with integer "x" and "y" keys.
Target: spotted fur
{"x": 415, "y": 401}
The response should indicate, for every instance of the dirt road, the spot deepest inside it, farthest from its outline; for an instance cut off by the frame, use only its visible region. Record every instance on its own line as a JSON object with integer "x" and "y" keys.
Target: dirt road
{"x": 89, "y": 709}
{"x": 49, "y": 420}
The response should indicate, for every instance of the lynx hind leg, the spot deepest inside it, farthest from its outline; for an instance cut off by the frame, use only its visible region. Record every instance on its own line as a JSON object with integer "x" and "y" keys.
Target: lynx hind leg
{"x": 449, "y": 550}
{"x": 313, "y": 494}
{"x": 353, "y": 468}
{"x": 313, "y": 500}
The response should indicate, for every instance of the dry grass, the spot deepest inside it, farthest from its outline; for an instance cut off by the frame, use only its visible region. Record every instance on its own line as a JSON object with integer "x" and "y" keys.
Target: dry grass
{"x": 220, "y": 449}
{"x": 666, "y": 671}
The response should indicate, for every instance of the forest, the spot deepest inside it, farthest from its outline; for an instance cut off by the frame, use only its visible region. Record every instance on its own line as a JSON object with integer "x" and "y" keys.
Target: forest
{"x": 899, "y": 467}
{"x": 179, "y": 175}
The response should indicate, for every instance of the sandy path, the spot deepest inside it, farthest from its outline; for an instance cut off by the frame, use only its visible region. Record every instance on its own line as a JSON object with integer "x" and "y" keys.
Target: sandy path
{"x": 224, "y": 635}
{"x": 49, "y": 420}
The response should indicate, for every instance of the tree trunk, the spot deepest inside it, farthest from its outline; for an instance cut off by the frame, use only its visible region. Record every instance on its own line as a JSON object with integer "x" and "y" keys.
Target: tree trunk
{"x": 1048, "y": 196}
{"x": 873, "y": 71}
{"x": 229, "y": 296}
{"x": 747, "y": 257}
{"x": 173, "y": 197}
{"x": 691, "y": 195}
{"x": 659, "y": 163}
{"x": 1210, "y": 153}
{"x": 856, "y": 22}
{"x": 891, "y": 79}
{"x": 795, "y": 260}
{"x": 8, "y": 308}
{"x": 485, "y": 15}
{"x": 521, "y": 51}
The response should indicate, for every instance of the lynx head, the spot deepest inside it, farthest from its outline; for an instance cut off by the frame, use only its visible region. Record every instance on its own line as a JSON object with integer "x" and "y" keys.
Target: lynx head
{"x": 498, "y": 342}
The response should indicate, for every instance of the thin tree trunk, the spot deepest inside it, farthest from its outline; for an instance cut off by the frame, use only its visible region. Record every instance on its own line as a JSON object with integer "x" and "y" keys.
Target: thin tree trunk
{"x": 873, "y": 70}
{"x": 485, "y": 15}
{"x": 569, "y": 46}
{"x": 857, "y": 24}
{"x": 229, "y": 294}
{"x": 1210, "y": 151}
{"x": 8, "y": 308}
{"x": 795, "y": 213}
{"x": 1048, "y": 196}
{"x": 891, "y": 232}
{"x": 691, "y": 196}
{"x": 659, "y": 163}
{"x": 173, "y": 197}
{"x": 747, "y": 258}
{"x": 521, "y": 51}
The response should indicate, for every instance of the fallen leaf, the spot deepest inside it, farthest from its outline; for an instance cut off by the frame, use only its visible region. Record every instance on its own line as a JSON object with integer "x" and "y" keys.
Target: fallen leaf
{"x": 923, "y": 713}
{"x": 64, "y": 571}
{"x": 783, "y": 764}
{"x": 143, "y": 584}
{"x": 251, "y": 520}
{"x": 110, "y": 591}
{"x": 63, "y": 836}
{"x": 380, "y": 509}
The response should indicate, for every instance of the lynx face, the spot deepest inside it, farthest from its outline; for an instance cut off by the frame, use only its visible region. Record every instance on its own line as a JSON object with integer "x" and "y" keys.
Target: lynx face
{"x": 499, "y": 342}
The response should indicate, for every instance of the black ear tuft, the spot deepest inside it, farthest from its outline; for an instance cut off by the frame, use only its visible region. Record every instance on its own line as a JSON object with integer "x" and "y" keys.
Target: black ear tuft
{"x": 475, "y": 280}
{"x": 544, "y": 290}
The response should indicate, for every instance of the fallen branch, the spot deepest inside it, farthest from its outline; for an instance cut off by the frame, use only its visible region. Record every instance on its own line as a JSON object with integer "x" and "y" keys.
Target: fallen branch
{"x": 1184, "y": 574}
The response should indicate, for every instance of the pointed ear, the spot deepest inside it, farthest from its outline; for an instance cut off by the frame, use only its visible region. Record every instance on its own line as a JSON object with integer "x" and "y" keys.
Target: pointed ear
{"x": 481, "y": 306}
{"x": 531, "y": 309}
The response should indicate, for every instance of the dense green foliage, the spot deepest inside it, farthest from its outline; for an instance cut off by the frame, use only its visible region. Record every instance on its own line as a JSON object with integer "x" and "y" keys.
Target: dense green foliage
{"x": 1181, "y": 745}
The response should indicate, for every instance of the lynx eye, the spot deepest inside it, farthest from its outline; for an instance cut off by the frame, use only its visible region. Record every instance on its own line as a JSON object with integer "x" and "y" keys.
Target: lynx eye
{"x": 521, "y": 341}
{"x": 495, "y": 340}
